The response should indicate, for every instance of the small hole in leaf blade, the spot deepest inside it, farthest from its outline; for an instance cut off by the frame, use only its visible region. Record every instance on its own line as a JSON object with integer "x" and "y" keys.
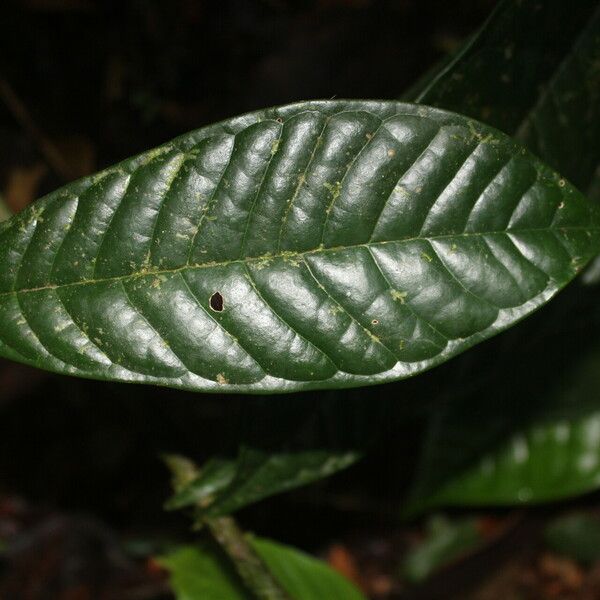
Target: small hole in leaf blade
{"x": 216, "y": 302}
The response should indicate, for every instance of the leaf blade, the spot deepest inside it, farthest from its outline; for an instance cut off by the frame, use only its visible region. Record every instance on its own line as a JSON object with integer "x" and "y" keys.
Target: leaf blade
{"x": 197, "y": 572}
{"x": 395, "y": 218}
{"x": 529, "y": 442}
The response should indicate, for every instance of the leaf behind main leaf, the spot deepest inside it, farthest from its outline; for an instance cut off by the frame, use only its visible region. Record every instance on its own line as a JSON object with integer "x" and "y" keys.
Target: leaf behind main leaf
{"x": 533, "y": 71}
{"x": 223, "y": 487}
{"x": 317, "y": 245}
{"x": 529, "y": 432}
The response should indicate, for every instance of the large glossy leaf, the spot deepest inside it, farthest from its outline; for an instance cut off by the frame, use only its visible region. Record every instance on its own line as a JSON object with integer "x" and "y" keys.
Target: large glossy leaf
{"x": 323, "y": 244}
{"x": 532, "y": 70}
{"x": 198, "y": 572}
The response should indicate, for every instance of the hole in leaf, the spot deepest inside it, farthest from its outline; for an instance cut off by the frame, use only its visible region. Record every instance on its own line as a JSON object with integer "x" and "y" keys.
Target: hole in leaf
{"x": 279, "y": 120}
{"x": 216, "y": 302}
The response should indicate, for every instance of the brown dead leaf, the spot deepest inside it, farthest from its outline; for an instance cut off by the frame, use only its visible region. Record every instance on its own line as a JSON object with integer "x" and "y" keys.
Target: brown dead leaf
{"x": 22, "y": 185}
{"x": 564, "y": 572}
{"x": 344, "y": 562}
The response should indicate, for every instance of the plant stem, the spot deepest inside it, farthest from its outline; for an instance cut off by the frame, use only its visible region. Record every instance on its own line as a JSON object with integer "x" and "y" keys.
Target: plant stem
{"x": 249, "y": 566}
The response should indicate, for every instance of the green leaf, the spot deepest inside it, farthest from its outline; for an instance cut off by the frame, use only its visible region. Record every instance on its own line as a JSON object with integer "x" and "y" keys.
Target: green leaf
{"x": 283, "y": 445}
{"x": 222, "y": 487}
{"x": 554, "y": 452}
{"x": 533, "y": 71}
{"x": 547, "y": 462}
{"x": 215, "y": 475}
{"x": 576, "y": 536}
{"x": 199, "y": 572}
{"x": 445, "y": 541}
{"x": 317, "y": 245}
{"x": 304, "y": 577}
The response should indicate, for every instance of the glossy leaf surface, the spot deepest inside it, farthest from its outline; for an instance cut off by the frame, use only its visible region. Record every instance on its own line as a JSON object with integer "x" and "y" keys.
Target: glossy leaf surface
{"x": 198, "y": 572}
{"x": 324, "y": 244}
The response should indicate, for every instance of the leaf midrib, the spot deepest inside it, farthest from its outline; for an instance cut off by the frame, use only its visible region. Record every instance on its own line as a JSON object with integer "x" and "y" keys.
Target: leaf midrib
{"x": 291, "y": 255}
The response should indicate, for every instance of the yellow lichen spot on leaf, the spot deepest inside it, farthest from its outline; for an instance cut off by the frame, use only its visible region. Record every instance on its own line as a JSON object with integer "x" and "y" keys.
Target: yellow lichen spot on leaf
{"x": 334, "y": 188}
{"x": 399, "y": 296}
{"x": 426, "y": 257}
{"x": 262, "y": 262}
{"x": 402, "y": 191}
{"x": 373, "y": 337}
{"x": 36, "y": 215}
{"x": 221, "y": 379}
{"x": 480, "y": 137}
{"x": 334, "y": 309}
{"x": 292, "y": 258}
